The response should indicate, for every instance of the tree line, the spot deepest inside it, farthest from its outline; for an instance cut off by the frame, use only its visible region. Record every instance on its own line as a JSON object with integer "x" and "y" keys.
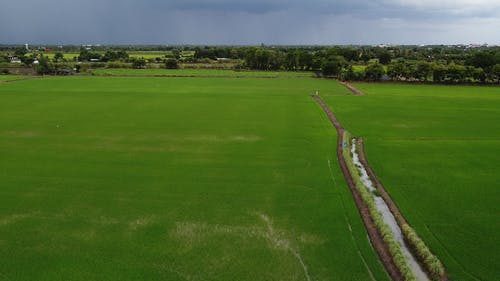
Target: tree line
{"x": 441, "y": 64}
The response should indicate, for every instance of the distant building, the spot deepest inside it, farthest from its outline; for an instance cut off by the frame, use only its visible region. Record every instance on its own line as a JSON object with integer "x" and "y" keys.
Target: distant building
{"x": 14, "y": 60}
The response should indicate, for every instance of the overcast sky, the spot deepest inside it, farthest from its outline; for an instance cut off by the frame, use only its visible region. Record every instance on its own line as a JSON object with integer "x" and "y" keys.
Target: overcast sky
{"x": 249, "y": 21}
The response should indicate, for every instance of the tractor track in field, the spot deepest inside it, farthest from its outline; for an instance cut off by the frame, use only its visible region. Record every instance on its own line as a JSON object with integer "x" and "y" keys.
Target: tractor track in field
{"x": 351, "y": 88}
{"x": 376, "y": 239}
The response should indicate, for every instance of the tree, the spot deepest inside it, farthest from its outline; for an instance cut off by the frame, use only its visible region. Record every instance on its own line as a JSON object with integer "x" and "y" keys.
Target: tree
{"x": 374, "y": 71}
{"x": 479, "y": 74}
{"x": 176, "y": 53}
{"x": 496, "y": 73}
{"x": 384, "y": 57}
{"x": 264, "y": 59}
{"x": 171, "y": 64}
{"x": 456, "y": 72}
{"x": 86, "y": 55}
{"x": 4, "y": 58}
{"x": 317, "y": 61}
{"x": 365, "y": 57}
{"x": 58, "y": 56}
{"x": 20, "y": 52}
{"x": 139, "y": 63}
{"x": 27, "y": 60}
{"x": 347, "y": 74}
{"x": 350, "y": 54}
{"x": 305, "y": 59}
{"x": 439, "y": 72}
{"x": 291, "y": 60}
{"x": 44, "y": 66}
{"x": 422, "y": 70}
{"x": 333, "y": 66}
{"x": 482, "y": 59}
{"x": 121, "y": 55}
{"x": 114, "y": 56}
{"x": 397, "y": 70}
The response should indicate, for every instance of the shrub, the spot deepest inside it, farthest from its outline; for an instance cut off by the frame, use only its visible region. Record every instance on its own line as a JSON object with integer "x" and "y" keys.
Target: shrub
{"x": 374, "y": 71}
{"x": 45, "y": 66}
{"x": 347, "y": 74}
{"x": 430, "y": 261}
{"x": 171, "y": 64}
{"x": 139, "y": 63}
{"x": 333, "y": 66}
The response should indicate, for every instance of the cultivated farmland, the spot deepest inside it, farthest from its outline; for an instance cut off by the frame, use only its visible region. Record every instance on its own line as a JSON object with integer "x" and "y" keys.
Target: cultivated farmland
{"x": 436, "y": 150}
{"x": 142, "y": 178}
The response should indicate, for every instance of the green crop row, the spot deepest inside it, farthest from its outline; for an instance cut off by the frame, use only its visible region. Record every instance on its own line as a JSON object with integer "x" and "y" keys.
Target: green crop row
{"x": 430, "y": 261}
{"x": 394, "y": 248}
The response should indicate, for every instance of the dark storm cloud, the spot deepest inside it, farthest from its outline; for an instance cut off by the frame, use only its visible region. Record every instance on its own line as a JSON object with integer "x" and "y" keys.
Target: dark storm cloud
{"x": 249, "y": 22}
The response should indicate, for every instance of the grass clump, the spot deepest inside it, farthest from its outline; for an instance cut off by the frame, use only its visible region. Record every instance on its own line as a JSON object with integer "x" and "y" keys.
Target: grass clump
{"x": 430, "y": 261}
{"x": 377, "y": 193}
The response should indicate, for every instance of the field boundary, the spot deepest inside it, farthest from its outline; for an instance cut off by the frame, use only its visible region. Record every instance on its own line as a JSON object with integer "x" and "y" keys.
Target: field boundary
{"x": 21, "y": 79}
{"x": 375, "y": 236}
{"x": 351, "y": 88}
{"x": 201, "y": 76}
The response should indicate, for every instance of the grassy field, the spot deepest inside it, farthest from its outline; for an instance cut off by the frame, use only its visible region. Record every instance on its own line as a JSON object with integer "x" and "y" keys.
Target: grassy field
{"x": 197, "y": 72}
{"x": 436, "y": 150}
{"x": 110, "y": 178}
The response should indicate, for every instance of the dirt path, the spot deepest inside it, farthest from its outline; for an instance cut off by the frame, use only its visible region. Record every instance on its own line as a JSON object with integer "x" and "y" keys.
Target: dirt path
{"x": 376, "y": 239}
{"x": 351, "y": 88}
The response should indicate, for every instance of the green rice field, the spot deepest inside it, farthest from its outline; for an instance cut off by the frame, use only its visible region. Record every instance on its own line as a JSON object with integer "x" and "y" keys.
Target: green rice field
{"x": 436, "y": 150}
{"x": 144, "y": 178}
{"x": 197, "y": 72}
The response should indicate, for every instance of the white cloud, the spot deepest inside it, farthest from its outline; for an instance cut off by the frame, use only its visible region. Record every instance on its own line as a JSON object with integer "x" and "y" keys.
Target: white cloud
{"x": 451, "y": 5}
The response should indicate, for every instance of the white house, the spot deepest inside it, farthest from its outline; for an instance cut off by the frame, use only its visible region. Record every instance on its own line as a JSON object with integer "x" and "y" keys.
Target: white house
{"x": 14, "y": 60}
